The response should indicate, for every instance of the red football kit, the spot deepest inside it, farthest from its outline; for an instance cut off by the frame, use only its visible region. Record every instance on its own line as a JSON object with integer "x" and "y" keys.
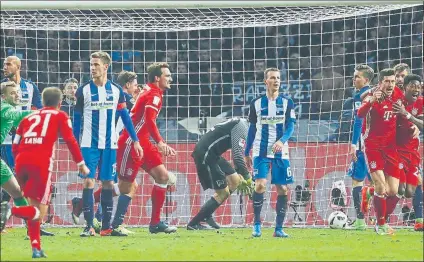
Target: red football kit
{"x": 407, "y": 146}
{"x": 380, "y": 136}
{"x": 143, "y": 116}
{"x": 33, "y": 148}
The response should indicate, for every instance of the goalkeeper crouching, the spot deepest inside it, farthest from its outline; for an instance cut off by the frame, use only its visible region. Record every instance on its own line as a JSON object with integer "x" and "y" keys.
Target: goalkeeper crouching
{"x": 215, "y": 172}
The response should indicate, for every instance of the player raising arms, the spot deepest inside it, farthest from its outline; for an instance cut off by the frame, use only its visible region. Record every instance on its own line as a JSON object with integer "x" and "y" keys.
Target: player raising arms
{"x": 411, "y": 113}
{"x": 98, "y": 101}
{"x": 272, "y": 120}
{"x": 380, "y": 147}
{"x": 33, "y": 147}
{"x": 10, "y": 117}
{"x": 143, "y": 115}
{"x": 215, "y": 172}
{"x": 362, "y": 78}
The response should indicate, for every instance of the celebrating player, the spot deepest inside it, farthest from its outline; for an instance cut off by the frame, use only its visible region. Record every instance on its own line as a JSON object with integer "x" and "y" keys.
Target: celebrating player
{"x": 33, "y": 147}
{"x": 10, "y": 117}
{"x": 362, "y": 78}
{"x": 272, "y": 120}
{"x": 411, "y": 113}
{"x": 215, "y": 172}
{"x": 98, "y": 102}
{"x": 143, "y": 115}
{"x": 380, "y": 147}
{"x": 401, "y": 71}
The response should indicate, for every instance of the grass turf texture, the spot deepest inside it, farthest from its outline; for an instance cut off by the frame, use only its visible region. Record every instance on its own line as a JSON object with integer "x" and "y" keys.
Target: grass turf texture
{"x": 226, "y": 244}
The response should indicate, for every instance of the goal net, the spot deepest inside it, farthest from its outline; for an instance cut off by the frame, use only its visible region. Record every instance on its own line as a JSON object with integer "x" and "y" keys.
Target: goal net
{"x": 217, "y": 54}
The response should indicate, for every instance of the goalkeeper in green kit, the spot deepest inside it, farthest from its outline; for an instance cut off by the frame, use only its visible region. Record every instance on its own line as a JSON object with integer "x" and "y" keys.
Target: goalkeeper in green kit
{"x": 10, "y": 117}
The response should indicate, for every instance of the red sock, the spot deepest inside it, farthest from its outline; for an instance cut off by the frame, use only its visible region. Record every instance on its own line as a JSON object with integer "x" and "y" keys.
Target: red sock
{"x": 158, "y": 199}
{"x": 34, "y": 233}
{"x": 380, "y": 209}
{"x": 25, "y": 212}
{"x": 391, "y": 204}
{"x": 97, "y": 195}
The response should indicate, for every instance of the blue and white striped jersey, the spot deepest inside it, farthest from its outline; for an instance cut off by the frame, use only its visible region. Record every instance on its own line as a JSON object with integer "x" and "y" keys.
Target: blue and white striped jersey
{"x": 98, "y": 107}
{"x": 271, "y": 118}
{"x": 30, "y": 98}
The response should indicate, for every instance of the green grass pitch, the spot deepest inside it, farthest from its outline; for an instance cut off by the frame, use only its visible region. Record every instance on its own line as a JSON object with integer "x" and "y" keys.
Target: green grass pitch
{"x": 226, "y": 244}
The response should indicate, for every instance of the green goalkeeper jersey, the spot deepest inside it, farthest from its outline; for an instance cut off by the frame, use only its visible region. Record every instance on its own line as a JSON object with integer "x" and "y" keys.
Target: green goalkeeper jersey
{"x": 10, "y": 117}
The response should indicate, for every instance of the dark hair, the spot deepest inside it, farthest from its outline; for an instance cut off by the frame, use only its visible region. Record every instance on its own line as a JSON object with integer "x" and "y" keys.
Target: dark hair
{"x": 270, "y": 69}
{"x": 385, "y": 72}
{"x": 69, "y": 81}
{"x": 410, "y": 78}
{"x": 366, "y": 70}
{"x": 52, "y": 96}
{"x": 154, "y": 70}
{"x": 402, "y": 67}
{"x": 125, "y": 77}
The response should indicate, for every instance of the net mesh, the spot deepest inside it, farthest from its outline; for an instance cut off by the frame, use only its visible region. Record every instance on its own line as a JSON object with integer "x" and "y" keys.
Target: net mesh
{"x": 217, "y": 57}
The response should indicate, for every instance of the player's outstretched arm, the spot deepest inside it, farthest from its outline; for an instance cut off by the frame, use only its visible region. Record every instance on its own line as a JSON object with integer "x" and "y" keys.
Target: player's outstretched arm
{"x": 418, "y": 120}
{"x": 17, "y": 141}
{"x": 368, "y": 102}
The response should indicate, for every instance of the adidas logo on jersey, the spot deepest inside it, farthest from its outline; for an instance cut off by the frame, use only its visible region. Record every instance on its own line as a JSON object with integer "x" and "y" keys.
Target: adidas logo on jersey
{"x": 385, "y": 107}
{"x": 373, "y": 165}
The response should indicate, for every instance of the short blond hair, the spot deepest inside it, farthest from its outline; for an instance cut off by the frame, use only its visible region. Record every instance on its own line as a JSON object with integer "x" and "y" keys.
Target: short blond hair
{"x": 105, "y": 57}
{"x": 154, "y": 70}
{"x": 52, "y": 96}
{"x": 6, "y": 85}
{"x": 270, "y": 69}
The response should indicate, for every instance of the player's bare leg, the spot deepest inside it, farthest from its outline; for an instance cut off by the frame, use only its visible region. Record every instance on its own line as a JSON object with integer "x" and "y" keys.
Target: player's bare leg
{"x": 33, "y": 214}
{"x": 392, "y": 189}
{"x": 380, "y": 203}
{"x": 258, "y": 200}
{"x": 160, "y": 175}
{"x": 212, "y": 204}
{"x": 281, "y": 208}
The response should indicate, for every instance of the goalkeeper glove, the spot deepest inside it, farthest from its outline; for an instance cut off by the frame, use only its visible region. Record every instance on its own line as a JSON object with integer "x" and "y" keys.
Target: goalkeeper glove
{"x": 245, "y": 187}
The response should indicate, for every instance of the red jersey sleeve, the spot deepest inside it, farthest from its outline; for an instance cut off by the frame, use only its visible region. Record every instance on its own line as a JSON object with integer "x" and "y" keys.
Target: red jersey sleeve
{"x": 65, "y": 130}
{"x": 152, "y": 108}
{"x": 17, "y": 139}
{"x": 365, "y": 107}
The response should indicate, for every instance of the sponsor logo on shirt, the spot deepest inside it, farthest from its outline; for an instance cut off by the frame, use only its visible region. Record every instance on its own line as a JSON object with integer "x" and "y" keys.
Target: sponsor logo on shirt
{"x": 101, "y": 105}
{"x": 270, "y": 120}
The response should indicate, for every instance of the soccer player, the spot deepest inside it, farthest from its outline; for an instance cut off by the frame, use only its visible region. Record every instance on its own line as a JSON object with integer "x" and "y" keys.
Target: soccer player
{"x": 362, "y": 78}
{"x": 98, "y": 101}
{"x": 10, "y": 117}
{"x": 30, "y": 98}
{"x": 380, "y": 147}
{"x": 143, "y": 115}
{"x": 215, "y": 172}
{"x": 272, "y": 119}
{"x": 33, "y": 147}
{"x": 401, "y": 71}
{"x": 411, "y": 113}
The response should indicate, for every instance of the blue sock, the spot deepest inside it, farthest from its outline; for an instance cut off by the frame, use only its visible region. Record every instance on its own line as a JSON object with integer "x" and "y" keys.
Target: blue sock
{"x": 417, "y": 202}
{"x": 258, "y": 200}
{"x": 106, "y": 201}
{"x": 356, "y": 194}
{"x": 99, "y": 213}
{"x": 88, "y": 205}
{"x": 121, "y": 210}
{"x": 280, "y": 208}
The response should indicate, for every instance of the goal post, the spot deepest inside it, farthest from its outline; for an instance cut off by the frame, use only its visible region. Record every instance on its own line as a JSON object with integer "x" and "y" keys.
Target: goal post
{"x": 218, "y": 51}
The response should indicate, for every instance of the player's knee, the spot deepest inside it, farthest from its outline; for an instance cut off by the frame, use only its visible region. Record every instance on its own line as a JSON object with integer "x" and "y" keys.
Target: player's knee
{"x": 107, "y": 184}
{"x": 401, "y": 190}
{"x": 391, "y": 191}
{"x": 282, "y": 190}
{"x": 410, "y": 192}
{"x": 233, "y": 181}
{"x": 260, "y": 185}
{"x": 222, "y": 194}
{"x": 88, "y": 183}
{"x": 124, "y": 187}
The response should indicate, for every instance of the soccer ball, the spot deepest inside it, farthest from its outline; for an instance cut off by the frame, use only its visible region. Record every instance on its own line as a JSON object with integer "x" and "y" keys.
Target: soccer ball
{"x": 172, "y": 178}
{"x": 337, "y": 220}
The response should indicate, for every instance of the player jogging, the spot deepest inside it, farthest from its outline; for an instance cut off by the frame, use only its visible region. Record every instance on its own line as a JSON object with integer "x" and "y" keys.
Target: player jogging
{"x": 33, "y": 147}
{"x": 272, "y": 119}
{"x": 215, "y": 172}
{"x": 143, "y": 115}
{"x": 408, "y": 147}
{"x": 10, "y": 117}
{"x": 98, "y": 101}
{"x": 380, "y": 147}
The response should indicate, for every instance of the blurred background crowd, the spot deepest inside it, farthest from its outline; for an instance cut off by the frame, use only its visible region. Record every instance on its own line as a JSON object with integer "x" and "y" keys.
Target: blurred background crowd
{"x": 217, "y": 72}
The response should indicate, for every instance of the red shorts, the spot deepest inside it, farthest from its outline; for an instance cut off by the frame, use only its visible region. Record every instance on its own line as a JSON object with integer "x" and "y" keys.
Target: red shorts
{"x": 34, "y": 178}
{"x": 410, "y": 167}
{"x": 128, "y": 164}
{"x": 386, "y": 159}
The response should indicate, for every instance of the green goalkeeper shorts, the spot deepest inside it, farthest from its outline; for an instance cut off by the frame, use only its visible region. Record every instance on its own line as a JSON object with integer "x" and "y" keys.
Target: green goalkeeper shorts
{"x": 5, "y": 173}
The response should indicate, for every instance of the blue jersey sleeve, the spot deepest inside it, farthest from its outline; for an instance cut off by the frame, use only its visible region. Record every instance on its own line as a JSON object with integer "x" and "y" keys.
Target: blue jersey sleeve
{"x": 79, "y": 106}
{"x": 289, "y": 122}
{"x": 36, "y": 97}
{"x": 357, "y": 123}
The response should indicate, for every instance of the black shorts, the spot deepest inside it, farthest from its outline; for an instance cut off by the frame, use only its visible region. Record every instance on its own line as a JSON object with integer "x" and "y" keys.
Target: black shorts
{"x": 212, "y": 174}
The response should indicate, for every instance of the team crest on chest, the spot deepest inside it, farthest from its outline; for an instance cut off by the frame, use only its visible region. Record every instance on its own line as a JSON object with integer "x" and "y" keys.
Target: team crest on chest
{"x": 414, "y": 111}
{"x": 373, "y": 165}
